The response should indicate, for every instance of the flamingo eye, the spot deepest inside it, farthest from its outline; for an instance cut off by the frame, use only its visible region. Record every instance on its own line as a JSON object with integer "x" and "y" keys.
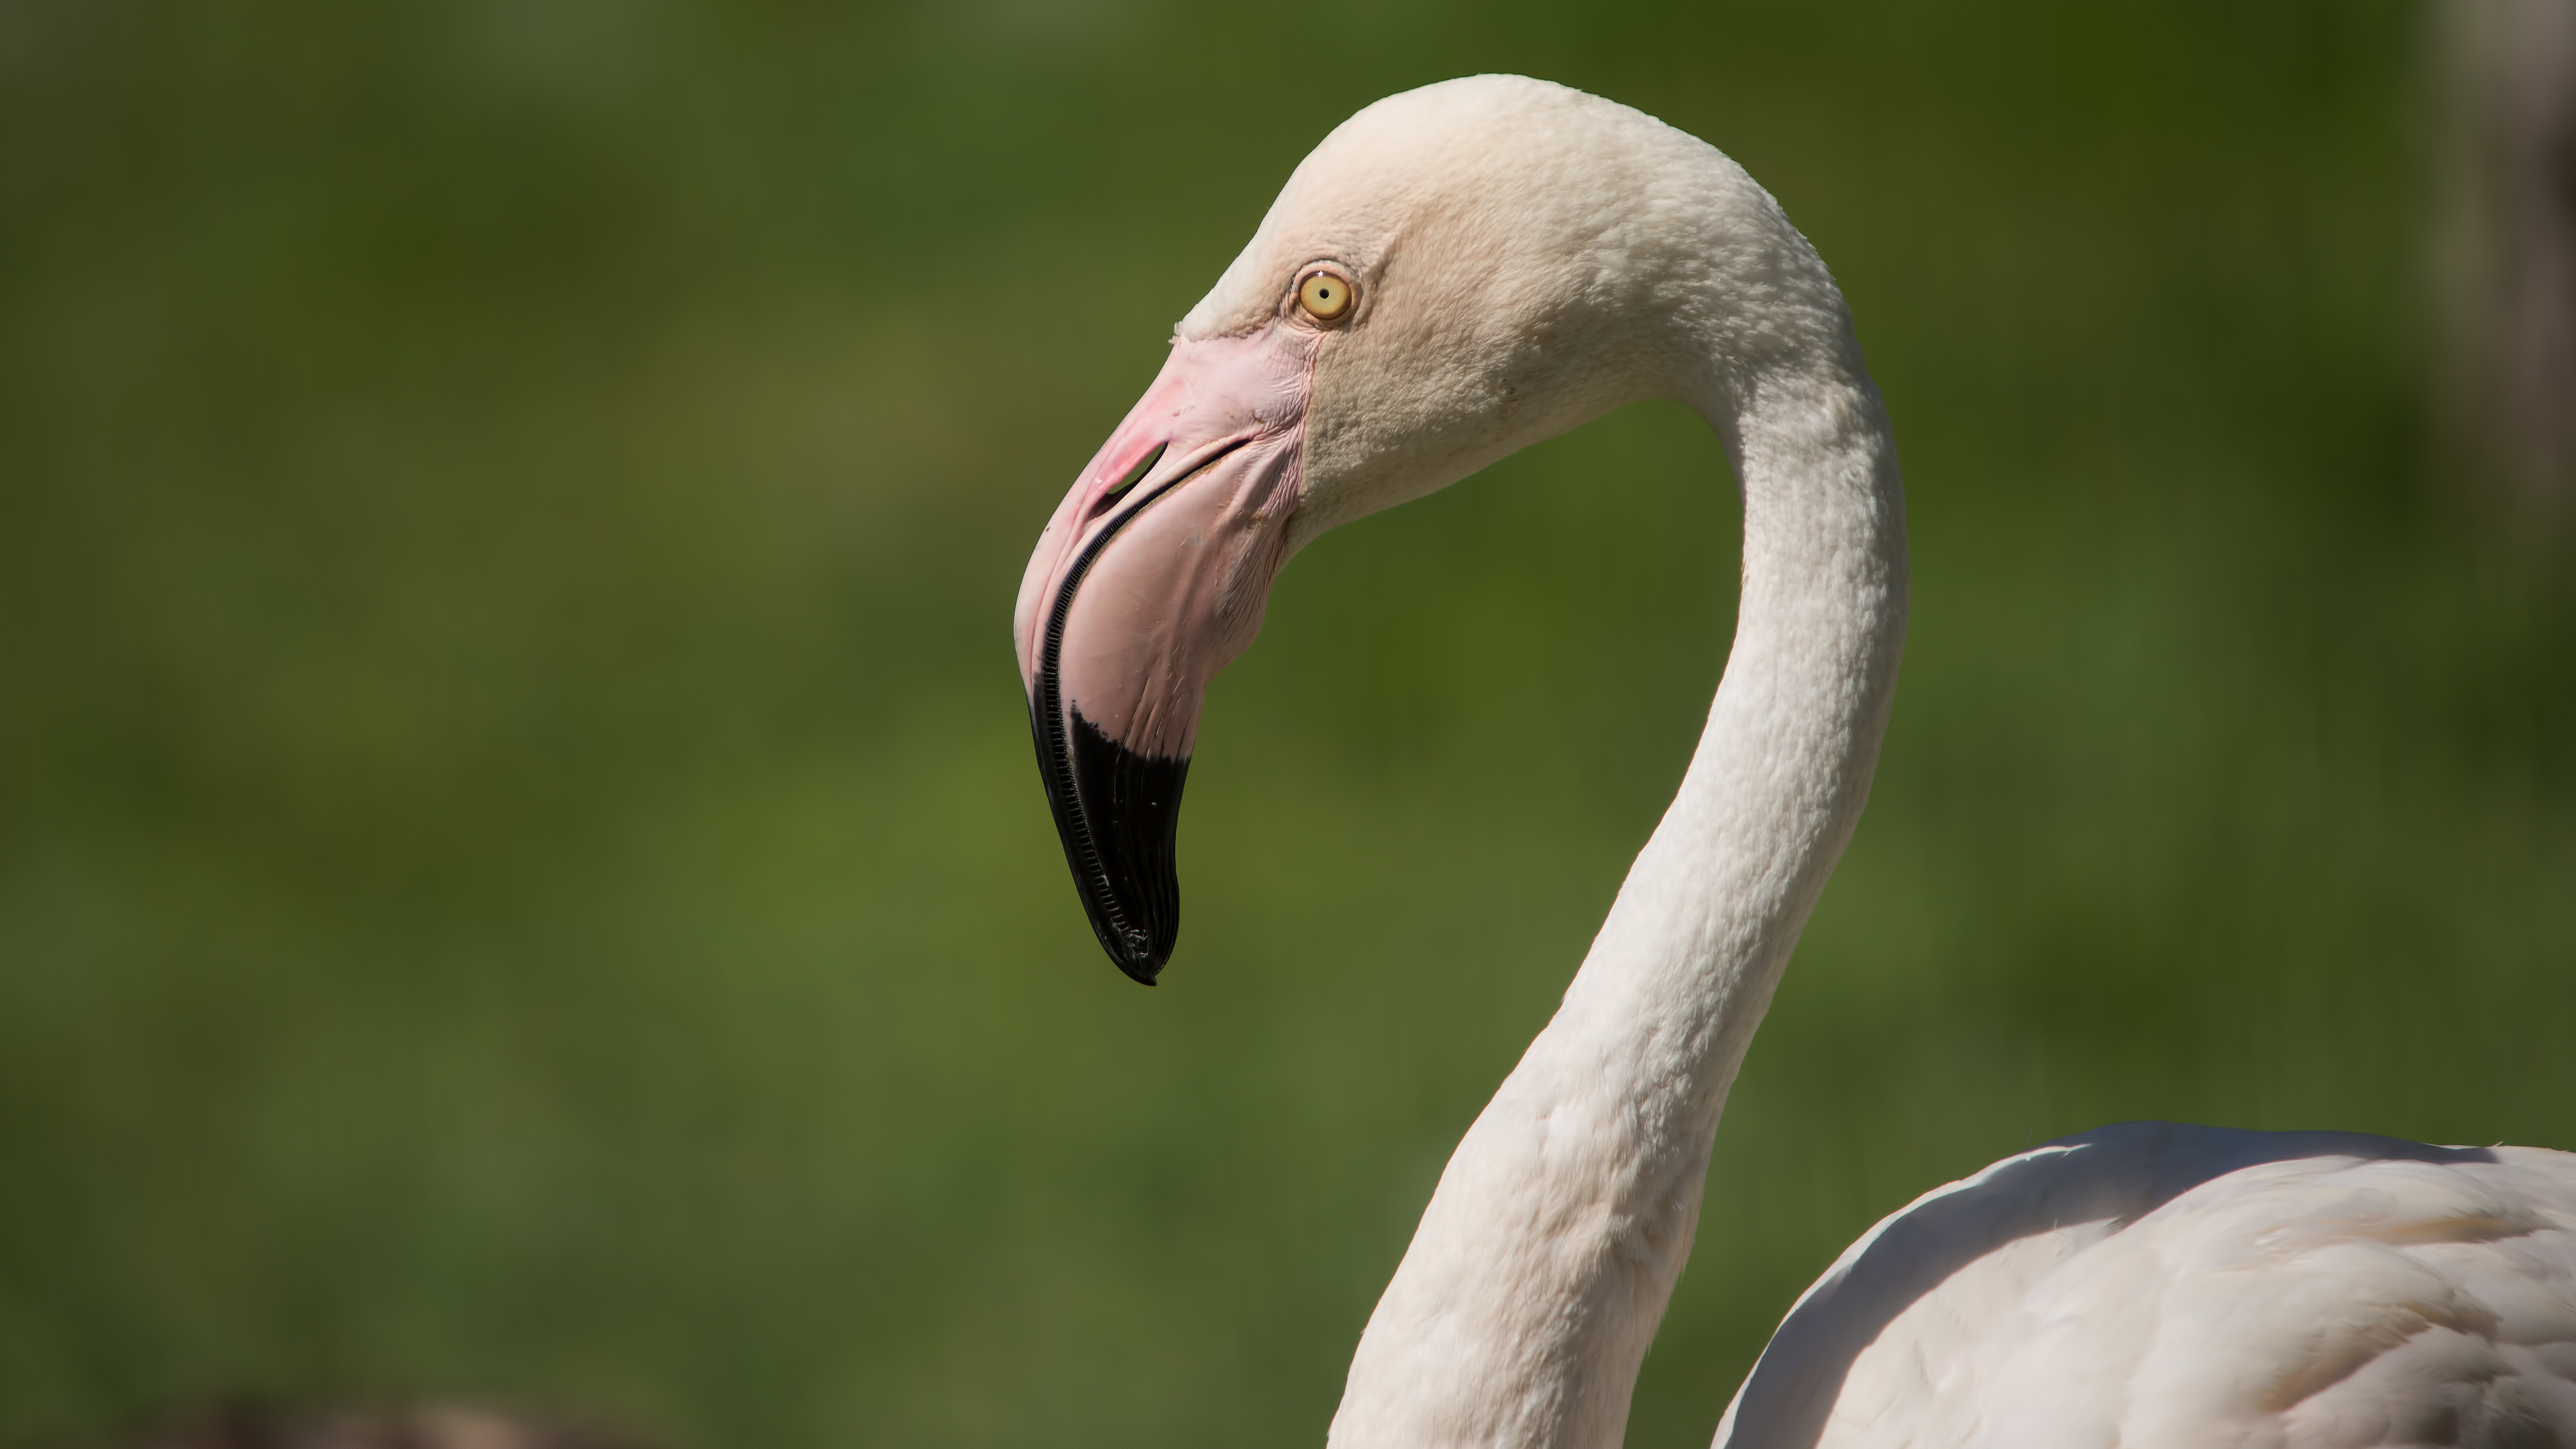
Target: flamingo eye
{"x": 1324, "y": 295}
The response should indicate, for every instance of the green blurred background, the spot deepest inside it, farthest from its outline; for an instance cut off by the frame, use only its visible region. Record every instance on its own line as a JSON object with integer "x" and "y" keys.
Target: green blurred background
{"x": 520, "y": 869}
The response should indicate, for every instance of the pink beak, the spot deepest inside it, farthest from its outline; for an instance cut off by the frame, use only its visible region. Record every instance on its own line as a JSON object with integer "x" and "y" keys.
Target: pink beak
{"x": 1150, "y": 578}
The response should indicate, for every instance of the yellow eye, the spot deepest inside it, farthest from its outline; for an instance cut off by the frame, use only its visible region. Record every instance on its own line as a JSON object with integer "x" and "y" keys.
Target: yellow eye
{"x": 1324, "y": 295}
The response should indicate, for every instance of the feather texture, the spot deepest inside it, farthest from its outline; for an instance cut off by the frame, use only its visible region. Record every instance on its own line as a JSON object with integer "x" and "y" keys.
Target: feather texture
{"x": 1524, "y": 258}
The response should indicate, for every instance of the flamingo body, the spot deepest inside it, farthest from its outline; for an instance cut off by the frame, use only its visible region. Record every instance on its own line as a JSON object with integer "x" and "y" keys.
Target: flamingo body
{"x": 1499, "y": 260}
{"x": 2152, "y": 1285}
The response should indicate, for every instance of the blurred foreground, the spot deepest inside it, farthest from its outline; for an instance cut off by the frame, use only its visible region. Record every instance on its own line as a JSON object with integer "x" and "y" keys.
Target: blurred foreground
{"x": 248, "y": 1425}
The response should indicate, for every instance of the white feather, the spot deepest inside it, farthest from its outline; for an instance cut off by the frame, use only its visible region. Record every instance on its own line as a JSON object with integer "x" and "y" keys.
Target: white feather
{"x": 1530, "y": 257}
{"x": 2151, "y": 1284}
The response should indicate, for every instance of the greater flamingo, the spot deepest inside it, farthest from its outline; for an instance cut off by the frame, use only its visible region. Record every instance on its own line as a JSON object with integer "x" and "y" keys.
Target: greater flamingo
{"x": 1462, "y": 270}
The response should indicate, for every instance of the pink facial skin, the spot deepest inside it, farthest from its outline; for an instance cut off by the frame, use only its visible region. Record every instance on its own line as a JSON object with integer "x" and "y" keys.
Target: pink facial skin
{"x": 1179, "y": 590}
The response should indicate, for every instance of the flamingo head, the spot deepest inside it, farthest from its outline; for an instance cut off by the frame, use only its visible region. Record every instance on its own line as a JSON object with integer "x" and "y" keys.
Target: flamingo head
{"x": 1454, "y": 273}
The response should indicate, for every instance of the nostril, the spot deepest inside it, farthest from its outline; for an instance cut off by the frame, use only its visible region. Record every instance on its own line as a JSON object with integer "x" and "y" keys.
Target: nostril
{"x": 1134, "y": 476}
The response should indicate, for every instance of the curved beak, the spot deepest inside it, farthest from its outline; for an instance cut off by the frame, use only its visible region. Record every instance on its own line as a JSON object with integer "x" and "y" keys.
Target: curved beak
{"x": 1152, "y": 576}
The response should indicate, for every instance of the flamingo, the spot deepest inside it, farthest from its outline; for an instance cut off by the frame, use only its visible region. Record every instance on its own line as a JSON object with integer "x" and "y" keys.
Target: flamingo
{"x": 1462, "y": 270}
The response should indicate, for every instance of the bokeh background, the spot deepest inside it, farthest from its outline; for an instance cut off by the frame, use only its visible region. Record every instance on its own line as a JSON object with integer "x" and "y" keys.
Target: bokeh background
{"x": 521, "y": 874}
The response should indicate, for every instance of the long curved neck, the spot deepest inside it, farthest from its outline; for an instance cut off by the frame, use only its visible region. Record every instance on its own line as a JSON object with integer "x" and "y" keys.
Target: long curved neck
{"x": 1523, "y": 1308}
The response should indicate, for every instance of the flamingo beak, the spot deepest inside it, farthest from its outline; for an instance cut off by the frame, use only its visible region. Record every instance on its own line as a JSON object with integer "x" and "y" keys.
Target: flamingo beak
{"x": 1151, "y": 577}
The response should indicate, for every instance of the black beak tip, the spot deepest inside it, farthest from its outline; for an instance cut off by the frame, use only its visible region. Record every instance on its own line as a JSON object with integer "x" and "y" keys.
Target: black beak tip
{"x": 1118, "y": 815}
{"x": 1141, "y": 959}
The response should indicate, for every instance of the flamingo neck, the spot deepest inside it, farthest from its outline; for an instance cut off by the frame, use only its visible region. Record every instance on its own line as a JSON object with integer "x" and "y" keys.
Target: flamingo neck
{"x": 1524, "y": 1306}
